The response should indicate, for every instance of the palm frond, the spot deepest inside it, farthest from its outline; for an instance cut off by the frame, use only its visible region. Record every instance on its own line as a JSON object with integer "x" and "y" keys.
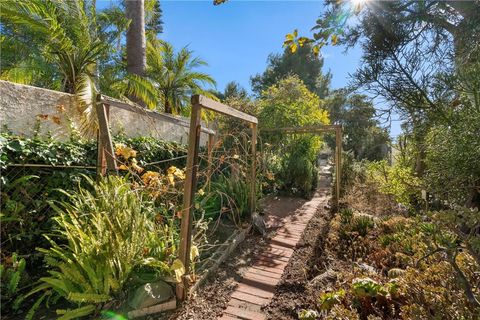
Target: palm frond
{"x": 86, "y": 94}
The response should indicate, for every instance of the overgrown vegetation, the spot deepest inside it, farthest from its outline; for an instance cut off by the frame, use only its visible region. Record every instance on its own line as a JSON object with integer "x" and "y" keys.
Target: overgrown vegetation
{"x": 292, "y": 158}
{"x": 400, "y": 263}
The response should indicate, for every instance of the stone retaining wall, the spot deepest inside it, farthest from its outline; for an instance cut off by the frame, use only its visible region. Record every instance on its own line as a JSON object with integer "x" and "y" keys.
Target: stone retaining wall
{"x": 25, "y": 110}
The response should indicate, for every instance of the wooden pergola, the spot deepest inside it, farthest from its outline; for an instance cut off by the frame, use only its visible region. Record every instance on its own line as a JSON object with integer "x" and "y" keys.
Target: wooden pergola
{"x": 199, "y": 103}
{"x": 318, "y": 130}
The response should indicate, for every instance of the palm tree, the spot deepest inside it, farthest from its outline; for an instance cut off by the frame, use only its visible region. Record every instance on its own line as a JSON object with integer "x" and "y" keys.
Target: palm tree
{"x": 174, "y": 77}
{"x": 62, "y": 45}
{"x": 136, "y": 42}
{"x": 63, "y": 33}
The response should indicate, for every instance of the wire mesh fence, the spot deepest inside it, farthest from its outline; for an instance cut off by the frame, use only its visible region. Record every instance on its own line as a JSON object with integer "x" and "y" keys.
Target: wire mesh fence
{"x": 220, "y": 196}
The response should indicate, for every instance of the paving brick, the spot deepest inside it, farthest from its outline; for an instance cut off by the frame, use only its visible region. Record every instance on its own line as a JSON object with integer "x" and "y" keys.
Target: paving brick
{"x": 272, "y": 258}
{"x": 285, "y": 243}
{"x": 255, "y": 284}
{"x": 266, "y": 273}
{"x": 249, "y": 287}
{"x": 245, "y": 314}
{"x": 237, "y": 303}
{"x": 250, "y": 298}
{"x": 271, "y": 264}
{"x": 275, "y": 252}
{"x": 262, "y": 278}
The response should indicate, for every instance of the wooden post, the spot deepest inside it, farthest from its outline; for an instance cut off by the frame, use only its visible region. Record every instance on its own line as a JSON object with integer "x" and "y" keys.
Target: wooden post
{"x": 253, "y": 172}
{"x": 101, "y": 164}
{"x": 105, "y": 150}
{"x": 338, "y": 163}
{"x": 188, "y": 197}
{"x": 210, "y": 143}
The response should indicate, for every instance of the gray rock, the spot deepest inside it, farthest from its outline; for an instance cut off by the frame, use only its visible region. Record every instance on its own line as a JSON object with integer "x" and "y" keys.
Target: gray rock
{"x": 259, "y": 223}
{"x": 150, "y": 294}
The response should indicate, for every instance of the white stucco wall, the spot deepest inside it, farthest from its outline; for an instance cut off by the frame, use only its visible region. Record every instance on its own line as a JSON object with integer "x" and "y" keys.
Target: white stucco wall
{"x": 26, "y": 109}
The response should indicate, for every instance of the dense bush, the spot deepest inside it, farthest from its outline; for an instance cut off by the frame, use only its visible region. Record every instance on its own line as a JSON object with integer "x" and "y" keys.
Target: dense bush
{"x": 25, "y": 191}
{"x": 398, "y": 181}
{"x": 452, "y": 159}
{"x": 226, "y": 197}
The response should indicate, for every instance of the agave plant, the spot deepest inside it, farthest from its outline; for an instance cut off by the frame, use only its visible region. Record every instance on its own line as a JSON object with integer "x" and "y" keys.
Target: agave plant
{"x": 174, "y": 76}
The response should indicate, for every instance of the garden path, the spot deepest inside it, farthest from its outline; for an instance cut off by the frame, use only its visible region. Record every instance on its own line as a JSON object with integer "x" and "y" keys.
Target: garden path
{"x": 257, "y": 286}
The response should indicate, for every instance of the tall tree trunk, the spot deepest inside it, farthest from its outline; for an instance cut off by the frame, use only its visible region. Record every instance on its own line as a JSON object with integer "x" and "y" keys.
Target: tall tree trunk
{"x": 136, "y": 42}
{"x": 168, "y": 107}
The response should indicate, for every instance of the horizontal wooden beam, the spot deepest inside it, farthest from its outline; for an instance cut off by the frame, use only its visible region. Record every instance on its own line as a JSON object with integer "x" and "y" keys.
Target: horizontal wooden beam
{"x": 213, "y": 105}
{"x": 149, "y": 113}
{"x": 307, "y": 129}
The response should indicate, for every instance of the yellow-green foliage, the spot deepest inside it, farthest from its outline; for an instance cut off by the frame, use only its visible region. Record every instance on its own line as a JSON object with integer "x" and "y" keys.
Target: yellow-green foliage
{"x": 398, "y": 181}
{"x": 289, "y": 103}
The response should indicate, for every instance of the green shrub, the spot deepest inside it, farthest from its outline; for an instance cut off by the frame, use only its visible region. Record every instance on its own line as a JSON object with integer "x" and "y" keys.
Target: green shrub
{"x": 12, "y": 277}
{"x": 452, "y": 157}
{"x": 228, "y": 197}
{"x": 299, "y": 173}
{"x": 398, "y": 181}
{"x": 25, "y": 191}
{"x": 110, "y": 231}
{"x": 289, "y": 103}
{"x": 346, "y": 215}
{"x": 362, "y": 224}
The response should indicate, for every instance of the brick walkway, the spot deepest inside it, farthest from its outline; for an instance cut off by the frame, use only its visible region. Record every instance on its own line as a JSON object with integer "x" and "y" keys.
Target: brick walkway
{"x": 257, "y": 286}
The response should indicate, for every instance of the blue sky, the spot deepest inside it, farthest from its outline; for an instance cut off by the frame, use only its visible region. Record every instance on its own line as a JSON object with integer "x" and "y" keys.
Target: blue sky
{"x": 236, "y": 38}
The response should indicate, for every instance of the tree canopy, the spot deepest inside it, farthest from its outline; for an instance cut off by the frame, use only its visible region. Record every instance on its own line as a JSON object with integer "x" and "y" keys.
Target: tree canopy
{"x": 304, "y": 64}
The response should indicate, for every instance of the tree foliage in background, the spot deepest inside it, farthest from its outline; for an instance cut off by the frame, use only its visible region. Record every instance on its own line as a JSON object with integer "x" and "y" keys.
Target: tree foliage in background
{"x": 304, "y": 64}
{"x": 421, "y": 58}
{"x": 452, "y": 158}
{"x": 232, "y": 89}
{"x": 362, "y": 133}
{"x": 289, "y": 103}
{"x": 73, "y": 47}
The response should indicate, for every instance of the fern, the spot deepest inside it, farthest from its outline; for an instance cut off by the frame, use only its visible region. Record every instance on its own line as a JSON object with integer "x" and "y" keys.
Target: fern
{"x": 104, "y": 244}
{"x": 14, "y": 280}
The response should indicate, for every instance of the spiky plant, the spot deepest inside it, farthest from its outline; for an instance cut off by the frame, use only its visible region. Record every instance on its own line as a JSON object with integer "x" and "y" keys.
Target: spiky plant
{"x": 174, "y": 75}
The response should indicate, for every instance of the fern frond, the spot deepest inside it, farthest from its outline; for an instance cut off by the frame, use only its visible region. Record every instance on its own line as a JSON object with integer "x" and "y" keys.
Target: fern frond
{"x": 33, "y": 309}
{"x": 13, "y": 283}
{"x": 76, "y": 313}
{"x": 88, "y": 297}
